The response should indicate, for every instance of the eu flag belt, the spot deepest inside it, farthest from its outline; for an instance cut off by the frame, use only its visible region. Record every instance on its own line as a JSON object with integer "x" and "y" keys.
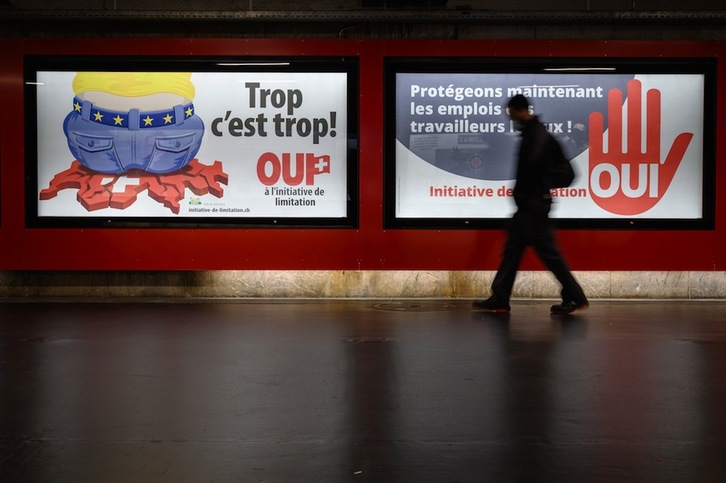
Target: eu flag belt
{"x": 133, "y": 119}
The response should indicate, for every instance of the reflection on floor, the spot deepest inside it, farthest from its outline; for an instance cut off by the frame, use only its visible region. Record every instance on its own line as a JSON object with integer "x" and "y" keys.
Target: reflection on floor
{"x": 374, "y": 391}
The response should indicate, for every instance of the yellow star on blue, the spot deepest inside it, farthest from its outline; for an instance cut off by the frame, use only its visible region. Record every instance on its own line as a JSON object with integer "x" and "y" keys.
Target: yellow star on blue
{"x": 76, "y": 107}
{"x": 98, "y": 116}
{"x": 148, "y": 120}
{"x": 168, "y": 118}
{"x": 189, "y": 111}
{"x": 118, "y": 120}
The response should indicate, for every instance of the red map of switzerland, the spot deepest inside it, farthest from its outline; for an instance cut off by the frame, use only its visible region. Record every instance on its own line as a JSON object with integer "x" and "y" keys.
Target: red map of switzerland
{"x": 98, "y": 190}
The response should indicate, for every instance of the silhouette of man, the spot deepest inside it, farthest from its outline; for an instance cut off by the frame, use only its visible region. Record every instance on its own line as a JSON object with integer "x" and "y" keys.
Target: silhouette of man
{"x": 530, "y": 225}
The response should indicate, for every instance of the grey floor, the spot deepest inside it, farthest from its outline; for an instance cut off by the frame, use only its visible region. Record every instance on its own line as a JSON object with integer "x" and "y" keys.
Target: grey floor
{"x": 361, "y": 391}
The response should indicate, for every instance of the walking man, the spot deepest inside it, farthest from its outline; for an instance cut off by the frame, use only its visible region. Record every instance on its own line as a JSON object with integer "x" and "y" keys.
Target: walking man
{"x": 530, "y": 225}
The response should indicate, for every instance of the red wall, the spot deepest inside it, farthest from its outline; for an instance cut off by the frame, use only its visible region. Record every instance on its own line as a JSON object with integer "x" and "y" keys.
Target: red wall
{"x": 369, "y": 246}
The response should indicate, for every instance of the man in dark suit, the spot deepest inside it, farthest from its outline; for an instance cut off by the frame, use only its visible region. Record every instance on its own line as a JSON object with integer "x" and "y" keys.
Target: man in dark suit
{"x": 530, "y": 225}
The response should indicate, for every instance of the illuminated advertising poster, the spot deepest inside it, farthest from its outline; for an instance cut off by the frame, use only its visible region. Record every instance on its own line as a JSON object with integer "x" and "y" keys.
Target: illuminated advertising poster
{"x": 174, "y": 145}
{"x": 635, "y": 140}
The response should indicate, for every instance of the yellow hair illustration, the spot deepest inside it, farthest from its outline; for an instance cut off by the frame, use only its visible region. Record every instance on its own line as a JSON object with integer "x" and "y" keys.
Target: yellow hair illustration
{"x": 135, "y": 84}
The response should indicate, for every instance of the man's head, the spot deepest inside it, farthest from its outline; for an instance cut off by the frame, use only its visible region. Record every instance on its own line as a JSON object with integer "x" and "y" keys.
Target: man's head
{"x": 518, "y": 108}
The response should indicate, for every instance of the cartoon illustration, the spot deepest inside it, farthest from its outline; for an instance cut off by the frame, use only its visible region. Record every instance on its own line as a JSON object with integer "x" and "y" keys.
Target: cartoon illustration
{"x": 130, "y": 132}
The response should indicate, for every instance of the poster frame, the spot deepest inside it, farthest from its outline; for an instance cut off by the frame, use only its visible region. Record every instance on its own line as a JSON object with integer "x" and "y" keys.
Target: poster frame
{"x": 348, "y": 65}
{"x": 532, "y": 65}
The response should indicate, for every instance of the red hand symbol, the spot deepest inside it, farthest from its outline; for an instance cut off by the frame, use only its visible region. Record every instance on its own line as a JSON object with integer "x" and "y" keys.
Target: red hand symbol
{"x": 631, "y": 182}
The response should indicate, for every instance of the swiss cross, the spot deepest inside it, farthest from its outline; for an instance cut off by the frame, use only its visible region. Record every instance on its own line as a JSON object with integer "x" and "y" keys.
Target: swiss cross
{"x": 321, "y": 165}
{"x": 120, "y": 185}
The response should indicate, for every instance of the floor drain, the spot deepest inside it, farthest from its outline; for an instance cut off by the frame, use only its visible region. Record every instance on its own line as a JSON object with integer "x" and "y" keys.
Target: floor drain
{"x": 414, "y": 306}
{"x": 361, "y": 340}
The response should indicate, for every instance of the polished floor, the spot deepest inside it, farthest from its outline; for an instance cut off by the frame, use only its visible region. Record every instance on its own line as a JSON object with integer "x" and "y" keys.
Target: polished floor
{"x": 361, "y": 391}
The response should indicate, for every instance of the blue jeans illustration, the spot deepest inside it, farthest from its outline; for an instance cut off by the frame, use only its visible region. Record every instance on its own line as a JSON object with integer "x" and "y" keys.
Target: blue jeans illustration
{"x": 135, "y": 142}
